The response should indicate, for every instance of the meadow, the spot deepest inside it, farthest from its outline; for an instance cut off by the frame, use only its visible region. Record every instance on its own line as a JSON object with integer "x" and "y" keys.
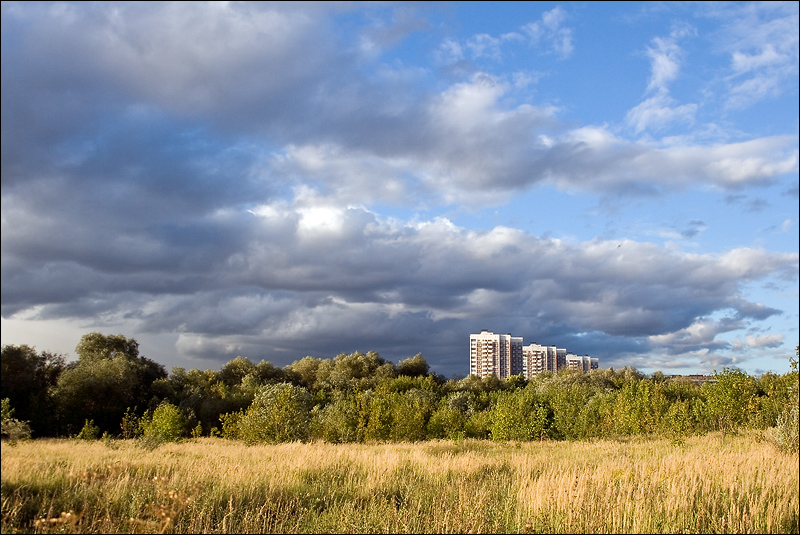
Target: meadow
{"x": 704, "y": 484}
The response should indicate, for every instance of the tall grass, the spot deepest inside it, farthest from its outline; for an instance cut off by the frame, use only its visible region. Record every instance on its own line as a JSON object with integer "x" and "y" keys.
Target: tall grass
{"x": 741, "y": 485}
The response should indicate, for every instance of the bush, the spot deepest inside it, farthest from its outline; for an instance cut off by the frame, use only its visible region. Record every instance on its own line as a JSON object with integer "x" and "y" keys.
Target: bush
{"x": 131, "y": 424}
{"x": 12, "y": 428}
{"x": 89, "y": 431}
{"x": 279, "y": 413}
{"x": 230, "y": 424}
{"x": 787, "y": 432}
{"x": 167, "y": 424}
{"x": 518, "y": 415}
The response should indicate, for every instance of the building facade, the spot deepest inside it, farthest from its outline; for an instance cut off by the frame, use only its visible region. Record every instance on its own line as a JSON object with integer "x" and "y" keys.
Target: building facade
{"x": 503, "y": 355}
{"x": 583, "y": 363}
{"x": 495, "y": 354}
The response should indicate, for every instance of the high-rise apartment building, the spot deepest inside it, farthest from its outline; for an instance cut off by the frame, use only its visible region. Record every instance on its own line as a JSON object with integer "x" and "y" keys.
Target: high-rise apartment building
{"x": 537, "y": 358}
{"x": 581, "y": 362}
{"x": 503, "y": 355}
{"x": 495, "y": 354}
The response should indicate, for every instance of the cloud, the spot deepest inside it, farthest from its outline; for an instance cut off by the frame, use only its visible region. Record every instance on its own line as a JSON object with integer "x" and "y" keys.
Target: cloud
{"x": 248, "y": 100}
{"x": 549, "y": 30}
{"x": 657, "y": 112}
{"x": 767, "y": 340}
{"x": 701, "y": 335}
{"x": 665, "y": 63}
{"x": 216, "y": 173}
{"x": 770, "y": 341}
{"x": 762, "y": 43}
{"x": 308, "y": 274}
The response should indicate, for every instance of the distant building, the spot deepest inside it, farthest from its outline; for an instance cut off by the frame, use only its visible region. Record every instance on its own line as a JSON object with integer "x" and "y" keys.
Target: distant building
{"x": 495, "y": 354}
{"x": 581, "y": 362}
{"x": 537, "y": 359}
{"x": 503, "y": 355}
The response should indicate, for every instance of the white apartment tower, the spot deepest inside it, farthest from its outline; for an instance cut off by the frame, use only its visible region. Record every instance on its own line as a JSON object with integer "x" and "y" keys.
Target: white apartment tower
{"x": 581, "y": 362}
{"x": 537, "y": 358}
{"x": 495, "y": 354}
{"x": 503, "y": 355}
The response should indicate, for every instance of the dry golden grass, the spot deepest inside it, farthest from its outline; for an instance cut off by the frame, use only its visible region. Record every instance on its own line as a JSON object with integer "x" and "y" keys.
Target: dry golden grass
{"x": 211, "y": 485}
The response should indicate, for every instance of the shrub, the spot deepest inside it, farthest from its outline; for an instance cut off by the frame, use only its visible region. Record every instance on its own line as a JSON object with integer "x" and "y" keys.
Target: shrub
{"x": 787, "y": 432}
{"x": 12, "y": 428}
{"x": 197, "y": 432}
{"x": 89, "y": 431}
{"x": 167, "y": 423}
{"x": 230, "y": 424}
{"x": 131, "y": 425}
{"x": 279, "y": 413}
{"x": 518, "y": 415}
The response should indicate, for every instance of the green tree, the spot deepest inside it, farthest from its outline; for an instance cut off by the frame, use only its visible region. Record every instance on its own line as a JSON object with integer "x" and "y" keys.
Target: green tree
{"x": 167, "y": 424}
{"x": 108, "y": 378}
{"x": 413, "y": 367}
{"x": 788, "y": 425}
{"x": 235, "y": 370}
{"x": 303, "y": 372}
{"x": 338, "y": 420}
{"x": 411, "y": 411}
{"x": 11, "y": 428}
{"x": 279, "y": 413}
{"x": 26, "y": 378}
{"x": 519, "y": 415}
{"x": 731, "y": 400}
{"x": 356, "y": 370}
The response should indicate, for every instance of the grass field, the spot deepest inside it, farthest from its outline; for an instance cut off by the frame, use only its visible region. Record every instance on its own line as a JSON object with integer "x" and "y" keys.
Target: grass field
{"x": 741, "y": 485}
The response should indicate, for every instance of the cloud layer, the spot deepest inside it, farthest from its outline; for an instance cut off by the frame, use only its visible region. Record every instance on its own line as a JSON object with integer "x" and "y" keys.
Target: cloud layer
{"x": 215, "y": 171}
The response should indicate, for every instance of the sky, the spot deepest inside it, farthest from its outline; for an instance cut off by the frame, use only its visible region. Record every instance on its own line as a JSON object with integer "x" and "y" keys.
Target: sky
{"x": 277, "y": 180}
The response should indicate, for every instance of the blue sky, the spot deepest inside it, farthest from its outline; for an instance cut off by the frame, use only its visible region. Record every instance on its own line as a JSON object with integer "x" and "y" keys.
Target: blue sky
{"x": 282, "y": 180}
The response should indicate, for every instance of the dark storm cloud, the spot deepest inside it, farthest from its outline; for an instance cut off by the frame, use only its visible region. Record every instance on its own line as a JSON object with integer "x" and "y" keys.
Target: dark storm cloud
{"x": 352, "y": 279}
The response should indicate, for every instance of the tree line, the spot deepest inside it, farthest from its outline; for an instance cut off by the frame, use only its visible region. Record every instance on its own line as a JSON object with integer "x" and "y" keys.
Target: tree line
{"x": 113, "y": 391}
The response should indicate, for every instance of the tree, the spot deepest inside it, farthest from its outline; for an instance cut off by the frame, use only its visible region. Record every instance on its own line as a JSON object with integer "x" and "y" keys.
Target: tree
{"x": 279, "y": 413}
{"x": 338, "y": 421}
{"x": 413, "y": 367}
{"x": 97, "y": 346}
{"x": 303, "y": 372}
{"x": 788, "y": 425}
{"x": 108, "y": 378}
{"x": 356, "y": 370}
{"x": 519, "y": 415}
{"x": 26, "y": 379}
{"x": 731, "y": 400}
{"x": 167, "y": 424}
{"x": 235, "y": 370}
{"x": 11, "y": 428}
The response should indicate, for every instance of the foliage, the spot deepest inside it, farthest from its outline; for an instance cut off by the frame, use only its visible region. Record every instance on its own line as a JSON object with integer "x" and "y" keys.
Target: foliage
{"x": 341, "y": 420}
{"x": 230, "y": 424}
{"x": 13, "y": 429}
{"x": 26, "y": 379}
{"x": 731, "y": 401}
{"x": 131, "y": 425}
{"x": 279, "y": 413}
{"x": 166, "y": 424}
{"x": 413, "y": 367}
{"x": 89, "y": 431}
{"x": 787, "y": 433}
{"x": 360, "y": 397}
{"x": 108, "y": 378}
{"x": 519, "y": 415}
